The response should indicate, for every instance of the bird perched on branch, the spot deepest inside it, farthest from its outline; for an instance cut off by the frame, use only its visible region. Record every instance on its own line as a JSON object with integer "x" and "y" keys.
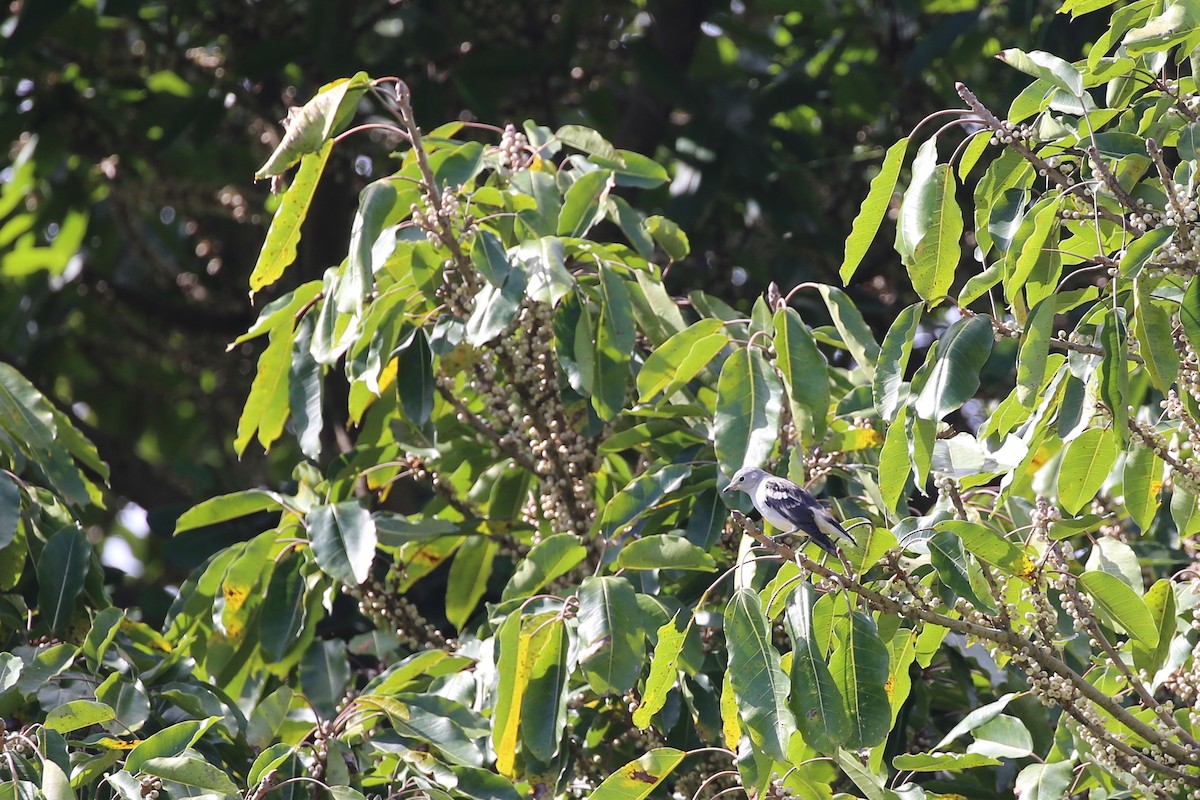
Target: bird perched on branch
{"x": 789, "y": 507}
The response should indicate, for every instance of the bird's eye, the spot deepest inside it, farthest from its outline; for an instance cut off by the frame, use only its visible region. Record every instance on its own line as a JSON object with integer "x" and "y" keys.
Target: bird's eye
{"x": 741, "y": 479}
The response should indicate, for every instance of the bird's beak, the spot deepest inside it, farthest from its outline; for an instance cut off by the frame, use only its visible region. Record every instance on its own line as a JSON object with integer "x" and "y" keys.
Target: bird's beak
{"x": 728, "y": 487}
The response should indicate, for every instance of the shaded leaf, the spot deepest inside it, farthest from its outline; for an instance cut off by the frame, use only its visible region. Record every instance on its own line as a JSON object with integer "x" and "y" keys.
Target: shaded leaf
{"x": 615, "y": 334}
{"x": 893, "y": 361}
{"x": 61, "y": 569}
{"x": 954, "y": 377}
{"x": 343, "y": 540}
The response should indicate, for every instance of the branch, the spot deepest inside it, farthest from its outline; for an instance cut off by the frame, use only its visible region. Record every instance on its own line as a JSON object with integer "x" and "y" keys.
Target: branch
{"x": 1043, "y": 167}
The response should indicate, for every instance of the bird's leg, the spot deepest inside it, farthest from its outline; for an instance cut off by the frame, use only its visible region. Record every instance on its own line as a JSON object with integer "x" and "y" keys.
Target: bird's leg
{"x": 842, "y": 557}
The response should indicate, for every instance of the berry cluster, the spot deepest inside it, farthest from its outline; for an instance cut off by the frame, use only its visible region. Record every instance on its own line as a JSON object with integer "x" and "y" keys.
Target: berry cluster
{"x": 515, "y": 152}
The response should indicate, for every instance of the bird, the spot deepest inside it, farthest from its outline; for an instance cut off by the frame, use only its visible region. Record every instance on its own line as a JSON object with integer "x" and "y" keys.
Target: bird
{"x": 789, "y": 507}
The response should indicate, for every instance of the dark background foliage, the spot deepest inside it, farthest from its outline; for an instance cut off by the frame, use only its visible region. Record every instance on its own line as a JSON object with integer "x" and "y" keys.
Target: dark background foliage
{"x": 148, "y": 119}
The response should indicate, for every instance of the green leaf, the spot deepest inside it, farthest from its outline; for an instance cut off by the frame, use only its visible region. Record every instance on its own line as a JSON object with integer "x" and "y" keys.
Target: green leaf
{"x": 962, "y": 351}
{"x": 1160, "y": 600}
{"x": 309, "y": 128}
{"x": 325, "y": 675}
{"x": 583, "y": 203}
{"x": 642, "y": 494}
{"x": 226, "y": 507}
{"x": 894, "y": 462}
{"x": 490, "y": 258}
{"x": 815, "y": 699}
{"x": 61, "y": 569}
{"x": 343, "y": 540}
{"x": 669, "y": 236}
{"x": 1140, "y": 250}
{"x": 544, "y": 705}
{"x": 265, "y": 720}
{"x": 549, "y": 558}
{"x": 1173, "y": 26}
{"x": 77, "y": 714}
{"x": 1113, "y": 374}
{"x": 1035, "y": 349}
{"x": 851, "y": 326}
{"x": 680, "y": 358}
{"x": 1143, "y": 482}
{"x": 979, "y": 716}
{"x": 587, "y": 140}
{"x": 986, "y": 544}
{"x": 191, "y": 772}
{"x": 1003, "y": 737}
{"x": 1152, "y": 328}
{"x": 279, "y": 250}
{"x": 758, "y": 681}
{"x": 1189, "y": 313}
{"x": 615, "y": 336}
{"x": 893, "y": 361}
{"x": 859, "y": 666}
{"x": 414, "y": 381}
{"x": 468, "y": 580}
{"x": 266, "y": 406}
{"x": 948, "y": 557}
{"x": 24, "y": 412}
{"x": 1046, "y": 66}
{"x": 919, "y": 204}
{"x": 804, "y": 375}
{"x": 495, "y": 309}
{"x": 283, "y": 610}
{"x": 937, "y": 762}
{"x": 1033, "y": 250}
{"x": 874, "y": 207}
{"x": 170, "y": 741}
{"x": 514, "y": 663}
{"x": 637, "y": 779}
{"x": 663, "y": 667}
{"x": 1045, "y": 781}
{"x": 1122, "y": 604}
{"x": 611, "y": 641}
{"x": 10, "y": 510}
{"x": 746, "y": 422}
{"x": 665, "y": 551}
{"x": 55, "y": 783}
{"x": 935, "y": 258}
{"x": 305, "y": 390}
{"x": 1085, "y": 466}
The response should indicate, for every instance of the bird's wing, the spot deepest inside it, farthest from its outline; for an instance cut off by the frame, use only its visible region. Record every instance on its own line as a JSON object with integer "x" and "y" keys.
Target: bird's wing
{"x": 803, "y": 510}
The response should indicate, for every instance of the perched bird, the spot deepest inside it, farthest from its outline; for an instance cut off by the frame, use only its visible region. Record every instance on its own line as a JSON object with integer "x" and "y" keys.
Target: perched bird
{"x": 789, "y": 507}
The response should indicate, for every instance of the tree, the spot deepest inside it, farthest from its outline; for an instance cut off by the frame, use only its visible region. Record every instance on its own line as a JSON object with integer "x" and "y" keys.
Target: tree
{"x": 543, "y": 427}
{"x": 140, "y": 125}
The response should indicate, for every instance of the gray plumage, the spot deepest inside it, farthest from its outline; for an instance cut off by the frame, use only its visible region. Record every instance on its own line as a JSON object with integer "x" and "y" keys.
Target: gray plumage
{"x": 789, "y": 507}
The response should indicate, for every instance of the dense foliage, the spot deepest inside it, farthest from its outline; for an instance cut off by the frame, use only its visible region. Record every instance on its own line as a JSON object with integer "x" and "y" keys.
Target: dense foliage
{"x": 540, "y": 431}
{"x": 132, "y": 225}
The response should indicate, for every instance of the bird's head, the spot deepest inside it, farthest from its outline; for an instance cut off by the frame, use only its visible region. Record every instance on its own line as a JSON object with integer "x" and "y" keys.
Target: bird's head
{"x": 745, "y": 479}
